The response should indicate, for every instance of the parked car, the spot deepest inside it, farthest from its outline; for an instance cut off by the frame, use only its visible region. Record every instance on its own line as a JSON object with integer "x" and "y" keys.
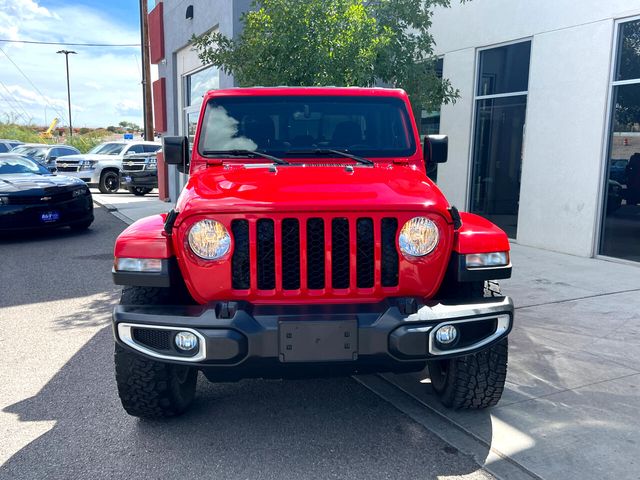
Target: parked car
{"x": 139, "y": 173}
{"x": 101, "y": 166}
{"x": 309, "y": 241}
{"x": 44, "y": 153}
{"x": 8, "y": 145}
{"x": 32, "y": 198}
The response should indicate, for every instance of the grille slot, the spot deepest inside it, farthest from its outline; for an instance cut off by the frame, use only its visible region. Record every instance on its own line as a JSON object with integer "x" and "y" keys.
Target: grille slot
{"x": 340, "y": 268}
{"x": 290, "y": 254}
{"x": 155, "y": 339}
{"x": 240, "y": 267}
{"x": 390, "y": 259}
{"x": 364, "y": 255}
{"x": 266, "y": 255}
{"x": 276, "y": 255}
{"x": 315, "y": 253}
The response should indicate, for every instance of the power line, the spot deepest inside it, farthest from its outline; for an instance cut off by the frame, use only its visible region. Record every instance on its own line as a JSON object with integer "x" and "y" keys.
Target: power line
{"x": 16, "y": 113}
{"x": 14, "y": 101}
{"x": 55, "y": 109}
{"x": 33, "y": 42}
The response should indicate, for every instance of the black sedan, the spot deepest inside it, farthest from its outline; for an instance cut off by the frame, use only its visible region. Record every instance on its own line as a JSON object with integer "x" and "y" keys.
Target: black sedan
{"x": 33, "y": 198}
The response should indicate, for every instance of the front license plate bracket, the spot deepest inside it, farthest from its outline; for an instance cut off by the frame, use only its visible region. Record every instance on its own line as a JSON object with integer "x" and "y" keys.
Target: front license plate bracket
{"x": 48, "y": 217}
{"x": 318, "y": 341}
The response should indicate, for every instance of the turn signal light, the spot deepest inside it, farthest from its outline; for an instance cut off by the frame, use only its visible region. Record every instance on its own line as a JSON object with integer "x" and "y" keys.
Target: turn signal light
{"x": 138, "y": 265}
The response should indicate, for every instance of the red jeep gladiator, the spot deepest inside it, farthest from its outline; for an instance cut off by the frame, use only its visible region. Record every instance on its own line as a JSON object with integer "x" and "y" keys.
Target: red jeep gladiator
{"x": 308, "y": 241}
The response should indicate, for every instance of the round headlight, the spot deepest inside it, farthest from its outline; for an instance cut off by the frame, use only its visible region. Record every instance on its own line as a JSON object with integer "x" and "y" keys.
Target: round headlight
{"x": 418, "y": 237}
{"x": 209, "y": 239}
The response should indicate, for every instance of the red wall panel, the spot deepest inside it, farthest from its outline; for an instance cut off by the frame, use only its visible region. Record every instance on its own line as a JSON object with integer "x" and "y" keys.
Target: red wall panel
{"x": 156, "y": 33}
{"x": 160, "y": 105}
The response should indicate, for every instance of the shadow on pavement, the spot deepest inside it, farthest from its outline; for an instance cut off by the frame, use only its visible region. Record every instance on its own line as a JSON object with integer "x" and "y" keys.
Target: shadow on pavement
{"x": 58, "y": 264}
{"x": 324, "y": 428}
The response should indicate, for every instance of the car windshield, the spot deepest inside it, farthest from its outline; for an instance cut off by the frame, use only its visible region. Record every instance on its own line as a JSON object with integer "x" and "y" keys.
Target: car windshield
{"x": 37, "y": 153}
{"x": 108, "y": 149}
{"x": 15, "y": 164}
{"x": 294, "y": 125}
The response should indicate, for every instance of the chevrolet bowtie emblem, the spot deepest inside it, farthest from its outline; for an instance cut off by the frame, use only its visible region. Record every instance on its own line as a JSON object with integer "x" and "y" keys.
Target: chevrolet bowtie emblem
{"x": 64, "y": 165}
{"x": 45, "y": 199}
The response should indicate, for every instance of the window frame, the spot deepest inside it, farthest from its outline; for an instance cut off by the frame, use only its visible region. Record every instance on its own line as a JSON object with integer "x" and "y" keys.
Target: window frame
{"x": 607, "y": 137}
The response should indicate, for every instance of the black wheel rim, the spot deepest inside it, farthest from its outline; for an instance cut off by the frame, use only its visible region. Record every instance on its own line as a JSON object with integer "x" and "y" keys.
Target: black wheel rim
{"x": 111, "y": 182}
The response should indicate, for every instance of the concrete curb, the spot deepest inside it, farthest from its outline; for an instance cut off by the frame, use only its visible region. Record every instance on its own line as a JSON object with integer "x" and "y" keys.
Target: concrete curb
{"x": 496, "y": 463}
{"x": 114, "y": 211}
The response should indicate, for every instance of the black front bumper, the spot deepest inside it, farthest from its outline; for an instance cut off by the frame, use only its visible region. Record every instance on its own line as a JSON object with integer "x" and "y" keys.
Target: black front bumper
{"x": 35, "y": 217}
{"x": 250, "y": 338}
{"x": 144, "y": 179}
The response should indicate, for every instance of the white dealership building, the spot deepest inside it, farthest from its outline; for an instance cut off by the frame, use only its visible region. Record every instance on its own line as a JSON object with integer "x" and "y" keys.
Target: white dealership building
{"x": 542, "y": 135}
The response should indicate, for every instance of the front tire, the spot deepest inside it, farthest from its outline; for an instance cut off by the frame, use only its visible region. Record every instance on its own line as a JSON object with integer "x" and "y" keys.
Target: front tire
{"x": 139, "y": 191}
{"x": 149, "y": 388}
{"x": 474, "y": 381}
{"x": 109, "y": 182}
{"x": 80, "y": 227}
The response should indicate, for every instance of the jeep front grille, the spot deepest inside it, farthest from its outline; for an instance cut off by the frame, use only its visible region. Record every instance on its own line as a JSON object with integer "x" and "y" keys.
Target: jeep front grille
{"x": 337, "y": 253}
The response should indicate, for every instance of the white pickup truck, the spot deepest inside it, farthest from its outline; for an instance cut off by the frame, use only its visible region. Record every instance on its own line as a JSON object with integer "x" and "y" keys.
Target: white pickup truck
{"x": 101, "y": 166}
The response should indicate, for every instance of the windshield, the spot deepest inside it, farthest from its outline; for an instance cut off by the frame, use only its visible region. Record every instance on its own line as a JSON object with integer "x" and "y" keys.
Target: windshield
{"x": 32, "y": 152}
{"x": 286, "y": 125}
{"x": 108, "y": 149}
{"x": 12, "y": 165}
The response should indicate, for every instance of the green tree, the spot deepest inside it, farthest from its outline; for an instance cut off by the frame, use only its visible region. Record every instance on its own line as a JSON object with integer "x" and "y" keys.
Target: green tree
{"x": 334, "y": 42}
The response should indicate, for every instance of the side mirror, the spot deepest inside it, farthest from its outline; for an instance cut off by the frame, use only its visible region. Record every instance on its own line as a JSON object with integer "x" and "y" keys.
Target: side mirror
{"x": 436, "y": 149}
{"x": 176, "y": 152}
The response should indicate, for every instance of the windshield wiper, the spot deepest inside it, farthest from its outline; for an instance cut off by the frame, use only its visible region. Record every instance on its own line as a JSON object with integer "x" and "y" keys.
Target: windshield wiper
{"x": 245, "y": 153}
{"x": 327, "y": 151}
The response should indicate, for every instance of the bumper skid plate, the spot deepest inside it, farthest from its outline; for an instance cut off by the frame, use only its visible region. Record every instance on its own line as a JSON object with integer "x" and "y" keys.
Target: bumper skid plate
{"x": 313, "y": 333}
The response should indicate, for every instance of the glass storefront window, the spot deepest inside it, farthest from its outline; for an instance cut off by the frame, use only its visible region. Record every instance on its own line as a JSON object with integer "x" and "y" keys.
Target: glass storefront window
{"x": 501, "y": 106}
{"x": 497, "y": 160}
{"x": 621, "y": 223}
{"x": 628, "y": 65}
{"x": 504, "y": 69}
{"x": 200, "y": 83}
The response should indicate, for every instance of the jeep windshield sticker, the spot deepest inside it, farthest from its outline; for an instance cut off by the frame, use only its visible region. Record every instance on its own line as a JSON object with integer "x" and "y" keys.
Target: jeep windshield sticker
{"x": 221, "y": 130}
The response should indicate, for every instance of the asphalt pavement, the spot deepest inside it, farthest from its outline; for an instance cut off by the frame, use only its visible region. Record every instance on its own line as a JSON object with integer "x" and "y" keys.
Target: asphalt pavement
{"x": 60, "y": 416}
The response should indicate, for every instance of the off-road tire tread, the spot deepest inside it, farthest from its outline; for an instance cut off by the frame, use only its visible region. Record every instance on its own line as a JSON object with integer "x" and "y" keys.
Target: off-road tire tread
{"x": 477, "y": 381}
{"x": 148, "y": 388}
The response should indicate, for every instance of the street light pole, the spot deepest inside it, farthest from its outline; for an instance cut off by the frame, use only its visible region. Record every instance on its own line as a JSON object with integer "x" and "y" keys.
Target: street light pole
{"x": 147, "y": 108}
{"x": 66, "y": 56}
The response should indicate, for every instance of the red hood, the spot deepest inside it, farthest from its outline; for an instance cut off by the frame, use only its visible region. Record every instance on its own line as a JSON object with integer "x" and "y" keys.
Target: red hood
{"x": 260, "y": 188}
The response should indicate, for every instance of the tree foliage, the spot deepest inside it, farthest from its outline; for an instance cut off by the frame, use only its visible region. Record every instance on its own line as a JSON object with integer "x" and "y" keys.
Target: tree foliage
{"x": 334, "y": 42}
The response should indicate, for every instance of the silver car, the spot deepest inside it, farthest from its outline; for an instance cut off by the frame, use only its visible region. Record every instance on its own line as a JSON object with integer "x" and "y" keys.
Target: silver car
{"x": 101, "y": 166}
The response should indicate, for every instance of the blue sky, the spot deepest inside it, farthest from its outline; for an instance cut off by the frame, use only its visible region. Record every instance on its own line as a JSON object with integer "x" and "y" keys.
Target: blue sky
{"x": 105, "y": 82}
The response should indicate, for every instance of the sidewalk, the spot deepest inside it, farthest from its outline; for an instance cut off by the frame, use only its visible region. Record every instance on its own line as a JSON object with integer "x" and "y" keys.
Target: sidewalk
{"x": 570, "y": 409}
{"x": 130, "y": 208}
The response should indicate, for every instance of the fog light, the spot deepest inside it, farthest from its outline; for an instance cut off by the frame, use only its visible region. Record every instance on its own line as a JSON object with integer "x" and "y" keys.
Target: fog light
{"x": 186, "y": 341}
{"x": 446, "y": 334}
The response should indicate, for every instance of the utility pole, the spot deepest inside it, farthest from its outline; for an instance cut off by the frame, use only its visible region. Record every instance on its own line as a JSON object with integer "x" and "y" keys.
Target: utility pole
{"x": 66, "y": 57}
{"x": 146, "y": 72}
